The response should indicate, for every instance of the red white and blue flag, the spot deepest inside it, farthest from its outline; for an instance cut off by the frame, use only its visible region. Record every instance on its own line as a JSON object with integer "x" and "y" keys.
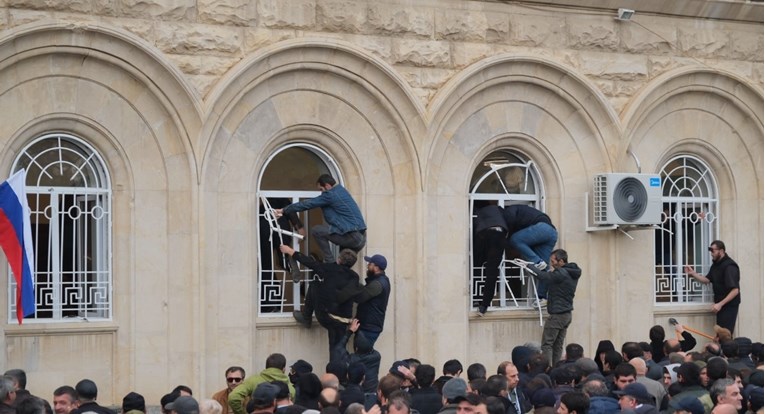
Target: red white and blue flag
{"x": 16, "y": 241}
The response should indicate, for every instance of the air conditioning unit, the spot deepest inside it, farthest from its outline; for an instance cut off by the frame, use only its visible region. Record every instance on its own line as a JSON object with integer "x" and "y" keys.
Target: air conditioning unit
{"x": 627, "y": 199}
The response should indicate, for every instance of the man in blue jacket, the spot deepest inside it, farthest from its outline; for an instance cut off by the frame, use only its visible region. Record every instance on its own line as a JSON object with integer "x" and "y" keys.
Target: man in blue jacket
{"x": 344, "y": 226}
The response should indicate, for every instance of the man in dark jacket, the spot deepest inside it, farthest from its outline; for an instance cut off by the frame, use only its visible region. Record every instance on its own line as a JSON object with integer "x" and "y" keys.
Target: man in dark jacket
{"x": 332, "y": 314}
{"x": 562, "y": 283}
{"x": 724, "y": 276}
{"x": 490, "y": 230}
{"x": 88, "y": 392}
{"x": 533, "y": 235}
{"x": 373, "y": 298}
{"x": 362, "y": 353}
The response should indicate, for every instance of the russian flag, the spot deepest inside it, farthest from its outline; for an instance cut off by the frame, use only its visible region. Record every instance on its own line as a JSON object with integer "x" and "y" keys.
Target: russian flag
{"x": 16, "y": 241}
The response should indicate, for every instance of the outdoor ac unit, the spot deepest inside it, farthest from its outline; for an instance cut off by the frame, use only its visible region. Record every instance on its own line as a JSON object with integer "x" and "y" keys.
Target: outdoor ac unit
{"x": 627, "y": 199}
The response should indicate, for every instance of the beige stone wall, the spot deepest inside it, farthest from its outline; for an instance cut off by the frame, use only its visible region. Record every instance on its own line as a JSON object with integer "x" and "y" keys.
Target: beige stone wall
{"x": 186, "y": 99}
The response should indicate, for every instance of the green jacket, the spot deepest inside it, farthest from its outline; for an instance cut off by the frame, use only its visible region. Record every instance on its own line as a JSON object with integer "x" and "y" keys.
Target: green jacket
{"x": 238, "y": 398}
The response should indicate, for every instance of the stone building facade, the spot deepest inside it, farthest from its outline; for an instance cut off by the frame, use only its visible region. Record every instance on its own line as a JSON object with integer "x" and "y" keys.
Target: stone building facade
{"x": 178, "y": 115}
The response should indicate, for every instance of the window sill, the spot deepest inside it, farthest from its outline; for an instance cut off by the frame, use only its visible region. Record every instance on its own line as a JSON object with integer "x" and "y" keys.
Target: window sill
{"x": 505, "y": 314}
{"x": 60, "y": 328}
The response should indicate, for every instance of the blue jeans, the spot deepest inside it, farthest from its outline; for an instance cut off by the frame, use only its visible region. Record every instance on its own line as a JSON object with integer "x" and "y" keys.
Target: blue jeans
{"x": 535, "y": 243}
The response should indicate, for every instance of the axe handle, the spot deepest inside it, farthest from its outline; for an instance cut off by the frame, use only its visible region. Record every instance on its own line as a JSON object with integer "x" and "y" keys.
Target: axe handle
{"x": 691, "y": 330}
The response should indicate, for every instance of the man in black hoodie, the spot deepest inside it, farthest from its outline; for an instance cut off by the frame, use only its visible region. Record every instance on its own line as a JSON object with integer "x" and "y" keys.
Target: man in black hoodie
{"x": 561, "y": 284}
{"x": 724, "y": 276}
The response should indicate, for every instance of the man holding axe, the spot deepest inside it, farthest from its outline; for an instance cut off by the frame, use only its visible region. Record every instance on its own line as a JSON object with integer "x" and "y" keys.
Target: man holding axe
{"x": 724, "y": 276}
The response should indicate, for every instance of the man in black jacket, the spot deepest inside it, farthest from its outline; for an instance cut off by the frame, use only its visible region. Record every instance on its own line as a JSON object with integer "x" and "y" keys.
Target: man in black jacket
{"x": 87, "y": 393}
{"x": 373, "y": 298}
{"x": 724, "y": 276}
{"x": 561, "y": 284}
{"x": 331, "y": 313}
{"x": 532, "y": 234}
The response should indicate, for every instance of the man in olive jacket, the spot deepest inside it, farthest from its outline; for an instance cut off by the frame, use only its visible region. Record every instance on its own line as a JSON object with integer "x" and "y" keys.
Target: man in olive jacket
{"x": 561, "y": 284}
{"x": 275, "y": 364}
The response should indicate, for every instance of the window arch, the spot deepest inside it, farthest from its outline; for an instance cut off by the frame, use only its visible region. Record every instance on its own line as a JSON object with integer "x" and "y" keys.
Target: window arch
{"x": 503, "y": 177}
{"x": 689, "y": 225}
{"x": 279, "y": 185}
{"x": 69, "y": 194}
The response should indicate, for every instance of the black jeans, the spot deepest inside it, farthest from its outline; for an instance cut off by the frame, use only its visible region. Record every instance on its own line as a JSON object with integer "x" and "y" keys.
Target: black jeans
{"x": 491, "y": 244}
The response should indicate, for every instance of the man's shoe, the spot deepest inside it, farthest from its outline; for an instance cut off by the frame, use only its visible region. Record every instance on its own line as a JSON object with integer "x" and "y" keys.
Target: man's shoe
{"x": 539, "y": 303}
{"x": 481, "y": 311}
{"x": 294, "y": 271}
{"x": 541, "y": 265}
{"x": 301, "y": 319}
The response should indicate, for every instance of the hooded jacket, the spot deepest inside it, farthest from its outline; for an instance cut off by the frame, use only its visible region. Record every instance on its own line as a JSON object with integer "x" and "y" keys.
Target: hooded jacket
{"x": 561, "y": 287}
{"x": 238, "y": 396}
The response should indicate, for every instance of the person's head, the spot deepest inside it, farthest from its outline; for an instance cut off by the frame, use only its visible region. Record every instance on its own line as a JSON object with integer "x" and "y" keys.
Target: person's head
{"x": 19, "y": 378}
{"x": 133, "y": 402}
{"x": 672, "y": 345}
{"x": 704, "y": 377}
{"x": 686, "y": 405}
{"x": 7, "y": 390}
{"x": 722, "y": 334}
{"x": 264, "y": 397}
{"x": 347, "y": 258}
{"x": 510, "y": 371}
{"x": 624, "y": 375}
{"x": 325, "y": 182}
{"x": 538, "y": 364}
{"x": 277, "y": 361}
{"x": 496, "y": 386}
{"x": 376, "y": 264}
{"x": 631, "y": 350}
{"x": 729, "y": 348}
{"x": 283, "y": 395}
{"x": 453, "y": 389}
{"x": 64, "y": 399}
{"x": 688, "y": 374}
{"x": 725, "y": 391}
{"x": 574, "y": 351}
{"x": 387, "y": 385}
{"x": 476, "y": 385}
{"x": 234, "y": 377}
{"x": 329, "y": 397}
{"x": 356, "y": 372}
{"x": 425, "y": 375}
{"x": 208, "y": 406}
{"x": 611, "y": 360}
{"x": 166, "y": 400}
{"x": 476, "y": 370}
{"x": 299, "y": 367}
{"x": 558, "y": 258}
{"x": 86, "y": 390}
{"x": 717, "y": 368}
{"x": 656, "y": 333}
{"x": 574, "y": 403}
{"x": 717, "y": 251}
{"x": 633, "y": 395}
{"x": 355, "y": 408}
{"x": 494, "y": 405}
{"x": 309, "y": 384}
{"x": 452, "y": 368}
{"x": 184, "y": 404}
{"x": 399, "y": 403}
{"x": 567, "y": 374}
{"x": 329, "y": 380}
{"x": 669, "y": 374}
{"x": 595, "y": 388}
{"x": 640, "y": 366}
{"x": 468, "y": 404}
{"x": 31, "y": 405}
{"x": 183, "y": 390}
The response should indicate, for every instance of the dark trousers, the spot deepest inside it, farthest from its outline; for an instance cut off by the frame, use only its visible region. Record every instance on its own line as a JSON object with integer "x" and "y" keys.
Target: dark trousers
{"x": 335, "y": 329}
{"x": 727, "y": 317}
{"x": 491, "y": 244}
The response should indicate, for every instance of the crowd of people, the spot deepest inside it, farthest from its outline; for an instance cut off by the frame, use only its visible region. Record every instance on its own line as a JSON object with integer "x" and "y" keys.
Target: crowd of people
{"x": 662, "y": 375}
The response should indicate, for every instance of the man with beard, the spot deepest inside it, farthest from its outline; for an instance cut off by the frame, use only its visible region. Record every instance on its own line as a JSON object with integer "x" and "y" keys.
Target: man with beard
{"x": 373, "y": 298}
{"x": 724, "y": 276}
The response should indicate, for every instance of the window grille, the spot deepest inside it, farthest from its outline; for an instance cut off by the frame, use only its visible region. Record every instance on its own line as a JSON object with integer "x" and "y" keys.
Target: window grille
{"x": 504, "y": 178}
{"x": 69, "y": 194}
{"x": 281, "y": 183}
{"x": 689, "y": 225}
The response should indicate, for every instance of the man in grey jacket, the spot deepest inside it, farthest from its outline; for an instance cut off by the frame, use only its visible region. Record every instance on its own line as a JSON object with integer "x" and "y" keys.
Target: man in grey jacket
{"x": 561, "y": 284}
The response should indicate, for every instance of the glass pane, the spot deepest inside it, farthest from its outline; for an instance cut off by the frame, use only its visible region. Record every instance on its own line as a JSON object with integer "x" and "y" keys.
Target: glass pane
{"x": 513, "y": 179}
{"x": 282, "y": 174}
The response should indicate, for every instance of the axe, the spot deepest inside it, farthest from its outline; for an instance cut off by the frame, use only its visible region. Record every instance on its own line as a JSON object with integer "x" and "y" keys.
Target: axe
{"x": 673, "y": 322}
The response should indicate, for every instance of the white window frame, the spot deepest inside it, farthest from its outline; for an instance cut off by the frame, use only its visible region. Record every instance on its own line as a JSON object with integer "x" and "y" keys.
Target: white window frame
{"x": 295, "y": 301}
{"x": 688, "y": 228}
{"x": 505, "y": 298}
{"x": 88, "y": 296}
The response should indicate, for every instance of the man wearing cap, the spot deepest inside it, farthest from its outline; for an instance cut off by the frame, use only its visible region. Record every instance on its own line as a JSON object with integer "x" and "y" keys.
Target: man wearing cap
{"x": 234, "y": 377}
{"x": 635, "y": 398}
{"x": 263, "y": 400}
{"x": 687, "y": 405}
{"x": 87, "y": 392}
{"x": 345, "y": 225}
{"x": 724, "y": 276}
{"x": 452, "y": 393}
{"x": 275, "y": 365}
{"x": 184, "y": 404}
{"x": 373, "y": 298}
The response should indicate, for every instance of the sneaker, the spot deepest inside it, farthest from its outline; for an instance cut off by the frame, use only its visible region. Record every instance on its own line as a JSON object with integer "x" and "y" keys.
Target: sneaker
{"x": 301, "y": 319}
{"x": 539, "y": 303}
{"x": 541, "y": 265}
{"x": 481, "y": 311}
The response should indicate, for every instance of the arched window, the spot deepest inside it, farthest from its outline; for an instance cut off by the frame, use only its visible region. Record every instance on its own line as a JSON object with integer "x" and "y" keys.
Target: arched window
{"x": 689, "y": 225}
{"x": 69, "y": 194}
{"x": 282, "y": 183}
{"x": 503, "y": 177}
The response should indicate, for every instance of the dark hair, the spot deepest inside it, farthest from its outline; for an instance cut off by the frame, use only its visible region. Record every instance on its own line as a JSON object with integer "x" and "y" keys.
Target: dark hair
{"x": 339, "y": 369}
{"x": 717, "y": 368}
{"x": 235, "y": 369}
{"x": 613, "y": 358}
{"x": 632, "y": 350}
{"x": 347, "y": 258}
{"x": 425, "y": 374}
{"x": 494, "y": 405}
{"x": 561, "y": 255}
{"x": 276, "y": 361}
{"x": 183, "y": 388}
{"x": 19, "y": 377}
{"x": 656, "y": 333}
{"x": 284, "y": 389}
{"x": 690, "y": 372}
{"x": 66, "y": 390}
{"x": 603, "y": 346}
{"x": 576, "y": 401}
{"x": 624, "y": 370}
{"x": 86, "y": 389}
{"x": 729, "y": 348}
{"x": 494, "y": 385}
{"x": 452, "y": 367}
{"x": 757, "y": 352}
{"x": 356, "y": 372}
{"x": 476, "y": 384}
{"x": 31, "y": 405}
{"x": 538, "y": 364}
{"x": 718, "y": 244}
{"x": 565, "y": 374}
{"x": 310, "y": 387}
{"x": 574, "y": 351}
{"x": 476, "y": 370}
{"x": 325, "y": 179}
